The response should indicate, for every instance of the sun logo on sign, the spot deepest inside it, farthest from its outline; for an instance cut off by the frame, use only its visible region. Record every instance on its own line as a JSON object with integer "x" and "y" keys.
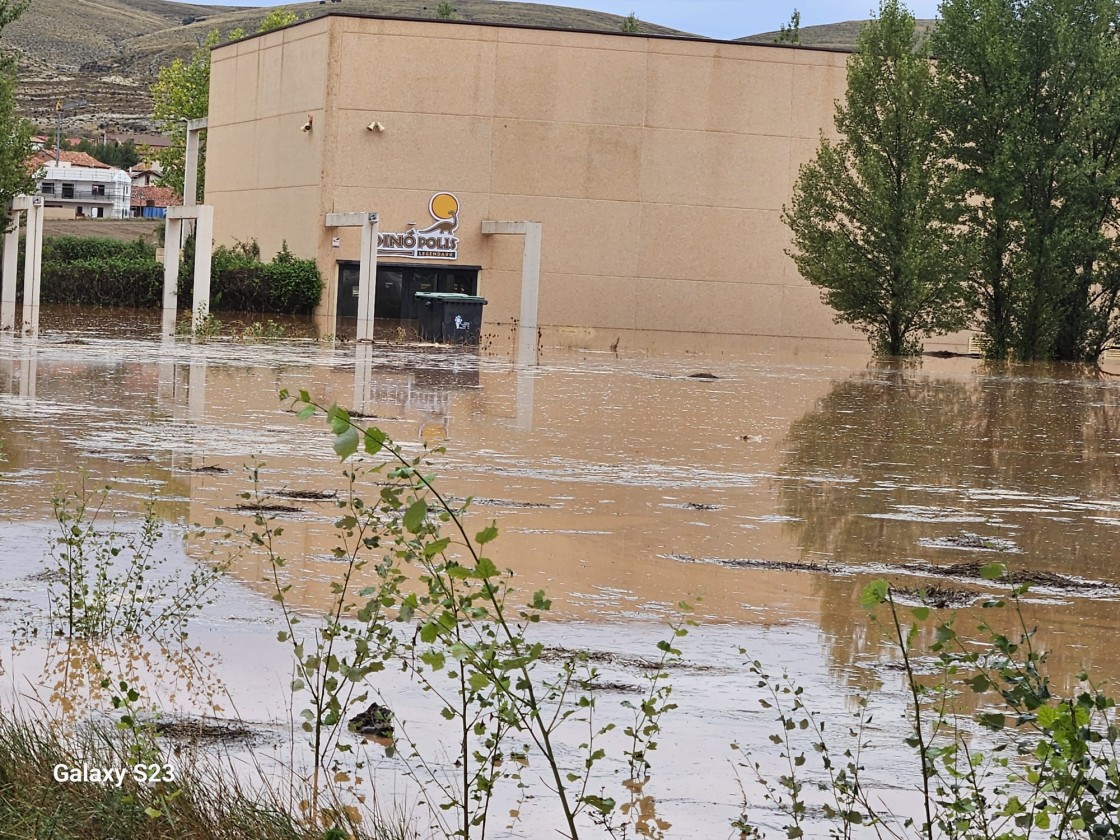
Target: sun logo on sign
{"x": 444, "y": 208}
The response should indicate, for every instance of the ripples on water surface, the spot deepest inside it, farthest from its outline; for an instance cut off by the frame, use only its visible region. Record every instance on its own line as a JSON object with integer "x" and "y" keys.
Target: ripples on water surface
{"x": 621, "y": 484}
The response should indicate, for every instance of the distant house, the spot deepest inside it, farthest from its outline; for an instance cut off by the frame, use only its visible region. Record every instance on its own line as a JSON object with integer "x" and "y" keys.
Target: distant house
{"x": 83, "y": 185}
{"x": 146, "y": 174}
{"x": 152, "y": 202}
{"x": 152, "y": 141}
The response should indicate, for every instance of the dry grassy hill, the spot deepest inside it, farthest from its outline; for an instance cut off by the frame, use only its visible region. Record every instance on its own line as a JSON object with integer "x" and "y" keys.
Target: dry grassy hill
{"x": 841, "y": 36}
{"x": 107, "y": 52}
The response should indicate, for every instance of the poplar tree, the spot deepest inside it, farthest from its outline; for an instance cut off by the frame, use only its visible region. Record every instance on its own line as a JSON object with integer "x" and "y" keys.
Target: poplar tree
{"x": 181, "y": 92}
{"x": 872, "y": 213}
{"x": 1029, "y": 105}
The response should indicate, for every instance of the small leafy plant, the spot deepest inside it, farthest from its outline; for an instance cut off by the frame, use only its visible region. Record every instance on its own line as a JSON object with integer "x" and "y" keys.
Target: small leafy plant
{"x": 104, "y": 582}
{"x": 1031, "y": 762}
{"x": 110, "y": 593}
{"x": 442, "y": 610}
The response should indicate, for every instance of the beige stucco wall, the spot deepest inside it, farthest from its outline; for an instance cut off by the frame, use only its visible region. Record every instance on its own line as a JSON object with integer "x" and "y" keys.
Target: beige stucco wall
{"x": 657, "y": 167}
{"x": 263, "y": 173}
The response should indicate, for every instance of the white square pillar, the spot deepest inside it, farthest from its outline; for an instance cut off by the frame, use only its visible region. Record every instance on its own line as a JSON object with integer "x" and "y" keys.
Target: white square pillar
{"x": 203, "y": 251}
{"x": 530, "y": 282}
{"x": 11, "y": 269}
{"x": 367, "y": 277}
{"x": 530, "y": 275}
{"x": 172, "y": 232}
{"x": 32, "y": 267}
{"x": 190, "y": 161}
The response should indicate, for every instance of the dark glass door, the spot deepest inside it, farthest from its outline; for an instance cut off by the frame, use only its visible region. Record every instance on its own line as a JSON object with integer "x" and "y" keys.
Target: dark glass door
{"x": 347, "y": 290}
{"x": 397, "y": 286}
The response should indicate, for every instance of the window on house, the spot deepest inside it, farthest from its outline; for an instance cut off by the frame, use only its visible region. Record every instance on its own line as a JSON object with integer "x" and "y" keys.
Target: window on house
{"x": 99, "y": 189}
{"x": 67, "y": 190}
{"x": 48, "y": 189}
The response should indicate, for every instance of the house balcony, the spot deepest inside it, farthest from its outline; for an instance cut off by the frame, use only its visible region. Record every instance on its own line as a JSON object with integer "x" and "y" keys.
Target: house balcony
{"x": 84, "y": 194}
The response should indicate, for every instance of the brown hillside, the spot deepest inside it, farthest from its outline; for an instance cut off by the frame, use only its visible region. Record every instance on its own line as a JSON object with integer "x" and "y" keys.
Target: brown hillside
{"x": 107, "y": 52}
{"x": 840, "y": 36}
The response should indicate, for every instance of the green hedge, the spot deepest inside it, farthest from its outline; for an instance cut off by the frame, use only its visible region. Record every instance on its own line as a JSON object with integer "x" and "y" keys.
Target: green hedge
{"x": 77, "y": 248}
{"x": 240, "y": 282}
{"x": 99, "y": 271}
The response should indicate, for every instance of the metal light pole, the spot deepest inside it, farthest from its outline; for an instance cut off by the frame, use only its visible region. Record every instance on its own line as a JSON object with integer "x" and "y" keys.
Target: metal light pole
{"x": 59, "y": 107}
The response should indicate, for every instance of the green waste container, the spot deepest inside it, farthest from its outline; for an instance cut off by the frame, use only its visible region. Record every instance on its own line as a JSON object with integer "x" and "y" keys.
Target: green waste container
{"x": 449, "y": 318}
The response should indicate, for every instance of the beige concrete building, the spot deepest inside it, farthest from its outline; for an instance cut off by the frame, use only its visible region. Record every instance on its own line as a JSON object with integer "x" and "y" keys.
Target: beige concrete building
{"x": 656, "y": 166}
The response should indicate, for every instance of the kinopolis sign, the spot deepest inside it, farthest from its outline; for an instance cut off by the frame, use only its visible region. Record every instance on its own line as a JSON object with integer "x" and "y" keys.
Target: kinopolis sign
{"x": 437, "y": 241}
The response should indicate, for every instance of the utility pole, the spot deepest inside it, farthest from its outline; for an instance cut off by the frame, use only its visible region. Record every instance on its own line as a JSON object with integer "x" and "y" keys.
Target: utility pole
{"x": 57, "y": 131}
{"x": 58, "y": 109}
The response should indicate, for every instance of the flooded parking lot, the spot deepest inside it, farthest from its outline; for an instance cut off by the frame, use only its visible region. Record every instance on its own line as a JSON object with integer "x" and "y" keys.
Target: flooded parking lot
{"x": 765, "y": 482}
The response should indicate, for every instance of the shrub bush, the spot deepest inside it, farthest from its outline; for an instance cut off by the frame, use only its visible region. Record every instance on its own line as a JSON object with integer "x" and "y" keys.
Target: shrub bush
{"x": 293, "y": 285}
{"x": 103, "y": 282}
{"x": 77, "y": 248}
{"x": 99, "y": 271}
{"x": 240, "y": 282}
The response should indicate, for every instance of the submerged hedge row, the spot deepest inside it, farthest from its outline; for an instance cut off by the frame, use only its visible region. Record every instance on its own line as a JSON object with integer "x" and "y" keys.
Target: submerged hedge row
{"x": 99, "y": 271}
{"x": 240, "y": 282}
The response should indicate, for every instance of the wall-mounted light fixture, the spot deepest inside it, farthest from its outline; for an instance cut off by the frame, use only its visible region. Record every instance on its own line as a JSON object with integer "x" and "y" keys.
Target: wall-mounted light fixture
{"x": 307, "y": 125}
{"x": 375, "y": 126}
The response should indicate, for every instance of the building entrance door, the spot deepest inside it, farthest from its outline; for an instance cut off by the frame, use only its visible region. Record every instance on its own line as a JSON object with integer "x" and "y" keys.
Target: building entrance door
{"x": 397, "y": 286}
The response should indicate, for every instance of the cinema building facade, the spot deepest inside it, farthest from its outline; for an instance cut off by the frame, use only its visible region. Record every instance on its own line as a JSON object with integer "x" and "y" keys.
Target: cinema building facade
{"x": 657, "y": 168}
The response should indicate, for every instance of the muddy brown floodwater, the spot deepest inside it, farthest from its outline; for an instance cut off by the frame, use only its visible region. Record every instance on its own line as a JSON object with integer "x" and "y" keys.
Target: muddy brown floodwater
{"x": 765, "y": 481}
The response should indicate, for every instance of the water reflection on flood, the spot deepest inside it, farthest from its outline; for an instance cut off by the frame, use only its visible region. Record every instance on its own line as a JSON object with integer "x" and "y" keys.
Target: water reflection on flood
{"x": 771, "y": 480}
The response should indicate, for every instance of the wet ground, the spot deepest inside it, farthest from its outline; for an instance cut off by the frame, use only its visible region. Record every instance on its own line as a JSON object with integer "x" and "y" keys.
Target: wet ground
{"x": 770, "y": 481}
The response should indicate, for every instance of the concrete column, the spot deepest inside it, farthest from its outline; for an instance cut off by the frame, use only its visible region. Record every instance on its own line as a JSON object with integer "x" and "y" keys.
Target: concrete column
{"x": 367, "y": 265}
{"x": 32, "y": 267}
{"x": 363, "y": 357}
{"x": 172, "y": 232}
{"x": 367, "y": 277}
{"x": 530, "y": 275}
{"x": 11, "y": 268}
{"x": 203, "y": 251}
{"x": 530, "y": 283}
{"x": 190, "y": 168}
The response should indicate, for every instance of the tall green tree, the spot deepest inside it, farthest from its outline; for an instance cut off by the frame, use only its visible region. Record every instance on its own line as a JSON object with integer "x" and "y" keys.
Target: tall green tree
{"x": 871, "y": 213}
{"x": 181, "y": 92}
{"x": 790, "y": 33}
{"x": 15, "y": 132}
{"x": 1029, "y": 104}
{"x": 121, "y": 155}
{"x": 277, "y": 18}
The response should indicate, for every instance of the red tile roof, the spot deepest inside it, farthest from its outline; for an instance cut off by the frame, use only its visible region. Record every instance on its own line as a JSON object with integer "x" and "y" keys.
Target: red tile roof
{"x": 156, "y": 141}
{"x": 159, "y": 196}
{"x": 45, "y": 157}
